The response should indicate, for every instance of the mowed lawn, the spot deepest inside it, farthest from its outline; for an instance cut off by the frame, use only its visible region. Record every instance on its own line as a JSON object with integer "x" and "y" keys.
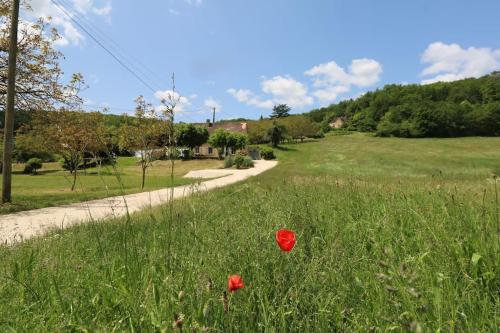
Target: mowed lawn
{"x": 393, "y": 235}
{"x": 52, "y": 185}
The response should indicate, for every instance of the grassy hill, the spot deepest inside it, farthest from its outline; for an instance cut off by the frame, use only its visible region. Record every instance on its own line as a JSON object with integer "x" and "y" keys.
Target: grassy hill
{"x": 393, "y": 235}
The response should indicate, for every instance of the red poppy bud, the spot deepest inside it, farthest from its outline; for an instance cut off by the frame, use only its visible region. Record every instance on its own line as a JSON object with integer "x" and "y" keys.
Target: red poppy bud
{"x": 285, "y": 239}
{"x": 235, "y": 282}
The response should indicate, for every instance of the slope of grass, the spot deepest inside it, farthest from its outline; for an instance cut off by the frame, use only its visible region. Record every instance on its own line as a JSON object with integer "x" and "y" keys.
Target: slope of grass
{"x": 389, "y": 239}
{"x": 52, "y": 186}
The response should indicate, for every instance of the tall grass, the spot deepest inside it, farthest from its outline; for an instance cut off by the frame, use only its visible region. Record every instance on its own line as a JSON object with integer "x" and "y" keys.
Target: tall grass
{"x": 372, "y": 254}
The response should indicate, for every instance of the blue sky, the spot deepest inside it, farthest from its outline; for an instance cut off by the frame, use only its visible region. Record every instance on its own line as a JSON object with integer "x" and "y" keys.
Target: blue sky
{"x": 245, "y": 56}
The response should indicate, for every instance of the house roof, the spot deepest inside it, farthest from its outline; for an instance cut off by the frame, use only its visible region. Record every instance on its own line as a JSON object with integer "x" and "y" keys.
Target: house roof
{"x": 230, "y": 126}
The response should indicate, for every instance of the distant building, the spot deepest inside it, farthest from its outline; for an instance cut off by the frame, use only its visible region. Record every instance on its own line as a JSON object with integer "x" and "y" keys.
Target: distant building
{"x": 338, "y": 122}
{"x": 206, "y": 150}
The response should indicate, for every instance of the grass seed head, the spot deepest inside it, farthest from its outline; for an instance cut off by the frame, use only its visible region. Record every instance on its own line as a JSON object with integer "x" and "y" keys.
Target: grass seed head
{"x": 178, "y": 321}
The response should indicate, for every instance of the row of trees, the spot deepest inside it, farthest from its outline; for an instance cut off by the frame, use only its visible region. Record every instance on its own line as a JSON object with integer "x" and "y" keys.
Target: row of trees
{"x": 444, "y": 109}
{"x": 289, "y": 128}
{"x": 83, "y": 139}
{"x": 223, "y": 139}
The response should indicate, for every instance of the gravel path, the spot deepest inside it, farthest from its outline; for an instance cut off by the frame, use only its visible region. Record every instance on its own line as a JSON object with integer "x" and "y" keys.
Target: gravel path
{"x": 23, "y": 225}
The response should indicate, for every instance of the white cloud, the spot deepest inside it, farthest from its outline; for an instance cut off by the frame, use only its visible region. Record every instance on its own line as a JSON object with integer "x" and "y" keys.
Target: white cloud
{"x": 211, "y": 103}
{"x": 248, "y": 97}
{"x": 69, "y": 33}
{"x": 450, "y": 62}
{"x": 282, "y": 90}
{"x": 182, "y": 102}
{"x": 286, "y": 90}
{"x": 331, "y": 80}
{"x": 331, "y": 93}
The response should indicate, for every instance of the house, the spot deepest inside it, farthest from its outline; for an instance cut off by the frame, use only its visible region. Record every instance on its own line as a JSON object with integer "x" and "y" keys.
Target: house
{"x": 206, "y": 150}
{"x": 338, "y": 122}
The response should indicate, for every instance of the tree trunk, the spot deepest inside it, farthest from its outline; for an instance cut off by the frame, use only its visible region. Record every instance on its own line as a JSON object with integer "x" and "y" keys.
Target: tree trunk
{"x": 74, "y": 180}
{"x": 9, "y": 111}
{"x": 143, "y": 177}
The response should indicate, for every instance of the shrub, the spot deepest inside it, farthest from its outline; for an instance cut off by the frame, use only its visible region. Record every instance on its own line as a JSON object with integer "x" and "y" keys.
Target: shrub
{"x": 238, "y": 161}
{"x": 228, "y": 161}
{"x": 33, "y": 165}
{"x": 267, "y": 153}
{"x": 247, "y": 162}
{"x": 243, "y": 162}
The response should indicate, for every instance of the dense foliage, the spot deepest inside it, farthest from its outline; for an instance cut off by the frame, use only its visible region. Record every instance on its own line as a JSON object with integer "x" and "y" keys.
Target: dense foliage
{"x": 267, "y": 153}
{"x": 223, "y": 139}
{"x": 292, "y": 128}
{"x": 191, "y": 136}
{"x": 444, "y": 109}
{"x": 33, "y": 165}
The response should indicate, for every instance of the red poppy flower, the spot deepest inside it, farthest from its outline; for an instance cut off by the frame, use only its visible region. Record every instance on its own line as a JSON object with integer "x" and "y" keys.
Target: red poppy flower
{"x": 235, "y": 282}
{"x": 285, "y": 239}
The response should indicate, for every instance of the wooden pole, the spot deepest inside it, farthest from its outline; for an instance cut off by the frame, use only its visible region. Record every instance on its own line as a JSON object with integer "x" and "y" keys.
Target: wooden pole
{"x": 8, "y": 141}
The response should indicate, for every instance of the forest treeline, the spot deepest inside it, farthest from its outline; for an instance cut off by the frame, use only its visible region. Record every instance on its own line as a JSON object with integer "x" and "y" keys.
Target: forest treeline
{"x": 469, "y": 107}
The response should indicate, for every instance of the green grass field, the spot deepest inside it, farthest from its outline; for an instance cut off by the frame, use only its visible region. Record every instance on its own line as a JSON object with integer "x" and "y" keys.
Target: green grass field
{"x": 52, "y": 186}
{"x": 394, "y": 235}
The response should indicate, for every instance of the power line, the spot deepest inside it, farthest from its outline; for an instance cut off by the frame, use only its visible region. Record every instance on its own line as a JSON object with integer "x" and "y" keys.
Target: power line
{"x": 121, "y": 53}
{"x": 131, "y": 71}
{"x": 126, "y": 56}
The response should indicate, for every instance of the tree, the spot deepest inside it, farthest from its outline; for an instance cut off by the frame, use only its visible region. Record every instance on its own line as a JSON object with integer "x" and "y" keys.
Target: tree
{"x": 70, "y": 134}
{"x": 301, "y": 127}
{"x": 38, "y": 75}
{"x": 191, "y": 136}
{"x": 442, "y": 109}
{"x": 258, "y": 131}
{"x": 145, "y": 134}
{"x": 281, "y": 111}
{"x": 220, "y": 140}
{"x": 37, "y": 79}
{"x": 238, "y": 140}
{"x": 276, "y": 133}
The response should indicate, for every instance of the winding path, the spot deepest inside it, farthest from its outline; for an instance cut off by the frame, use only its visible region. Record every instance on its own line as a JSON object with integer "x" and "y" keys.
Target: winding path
{"x": 23, "y": 225}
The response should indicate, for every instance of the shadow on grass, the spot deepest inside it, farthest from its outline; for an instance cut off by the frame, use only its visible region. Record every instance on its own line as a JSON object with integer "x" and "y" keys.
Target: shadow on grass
{"x": 285, "y": 148}
{"x": 38, "y": 173}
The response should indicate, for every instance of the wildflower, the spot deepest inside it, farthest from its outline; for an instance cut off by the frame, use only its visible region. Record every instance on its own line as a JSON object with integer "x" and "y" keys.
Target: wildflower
{"x": 285, "y": 239}
{"x": 235, "y": 282}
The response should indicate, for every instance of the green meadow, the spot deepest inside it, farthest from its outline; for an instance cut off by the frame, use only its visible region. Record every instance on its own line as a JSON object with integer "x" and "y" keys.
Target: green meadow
{"x": 393, "y": 235}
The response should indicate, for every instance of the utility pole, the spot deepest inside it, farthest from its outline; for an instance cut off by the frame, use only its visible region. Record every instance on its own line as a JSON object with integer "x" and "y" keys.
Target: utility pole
{"x": 213, "y": 118}
{"x": 8, "y": 140}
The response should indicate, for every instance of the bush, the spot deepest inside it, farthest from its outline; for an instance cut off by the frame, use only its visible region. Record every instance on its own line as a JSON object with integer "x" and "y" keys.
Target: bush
{"x": 243, "y": 162}
{"x": 228, "y": 161}
{"x": 247, "y": 162}
{"x": 33, "y": 165}
{"x": 267, "y": 153}
{"x": 238, "y": 161}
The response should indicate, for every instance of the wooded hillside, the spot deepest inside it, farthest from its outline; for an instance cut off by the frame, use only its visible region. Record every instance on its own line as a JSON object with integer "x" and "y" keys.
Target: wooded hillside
{"x": 445, "y": 109}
